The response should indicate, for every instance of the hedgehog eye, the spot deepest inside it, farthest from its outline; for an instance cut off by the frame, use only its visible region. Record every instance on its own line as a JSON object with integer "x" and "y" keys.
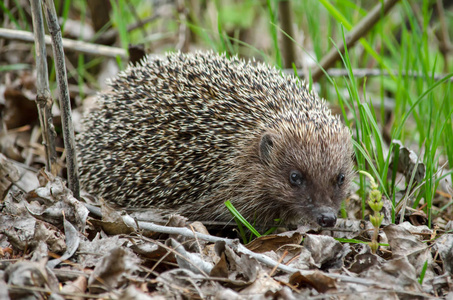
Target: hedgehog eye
{"x": 295, "y": 178}
{"x": 340, "y": 179}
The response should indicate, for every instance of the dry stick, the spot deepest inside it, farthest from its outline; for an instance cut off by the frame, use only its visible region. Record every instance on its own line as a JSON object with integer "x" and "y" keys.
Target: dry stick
{"x": 183, "y": 30}
{"x": 48, "y": 291}
{"x": 65, "y": 103}
{"x": 135, "y": 15}
{"x": 279, "y": 261}
{"x": 360, "y": 73}
{"x": 235, "y": 245}
{"x": 113, "y": 33}
{"x": 43, "y": 96}
{"x": 445, "y": 44}
{"x": 32, "y": 141}
{"x": 356, "y": 33}
{"x": 79, "y": 46}
{"x": 289, "y": 52}
{"x": 141, "y": 23}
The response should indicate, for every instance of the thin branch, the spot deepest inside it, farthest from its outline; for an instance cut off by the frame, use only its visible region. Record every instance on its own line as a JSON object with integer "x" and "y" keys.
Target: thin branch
{"x": 68, "y": 44}
{"x": 235, "y": 245}
{"x": 28, "y": 288}
{"x": 65, "y": 103}
{"x": 111, "y": 34}
{"x": 286, "y": 21}
{"x": 183, "y": 30}
{"x": 445, "y": 43}
{"x": 43, "y": 97}
{"x": 361, "y": 73}
{"x": 360, "y": 30}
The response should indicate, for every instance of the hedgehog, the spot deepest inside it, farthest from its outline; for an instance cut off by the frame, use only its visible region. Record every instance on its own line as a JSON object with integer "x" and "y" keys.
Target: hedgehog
{"x": 187, "y": 132}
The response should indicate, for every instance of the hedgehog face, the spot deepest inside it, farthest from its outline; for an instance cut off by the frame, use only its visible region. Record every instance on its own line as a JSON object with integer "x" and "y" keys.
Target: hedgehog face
{"x": 307, "y": 177}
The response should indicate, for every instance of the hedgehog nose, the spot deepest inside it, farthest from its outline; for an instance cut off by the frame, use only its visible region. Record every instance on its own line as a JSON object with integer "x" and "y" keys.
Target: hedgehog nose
{"x": 327, "y": 219}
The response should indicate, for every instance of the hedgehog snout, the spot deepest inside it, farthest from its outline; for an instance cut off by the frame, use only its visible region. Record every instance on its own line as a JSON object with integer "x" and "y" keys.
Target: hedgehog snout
{"x": 326, "y": 217}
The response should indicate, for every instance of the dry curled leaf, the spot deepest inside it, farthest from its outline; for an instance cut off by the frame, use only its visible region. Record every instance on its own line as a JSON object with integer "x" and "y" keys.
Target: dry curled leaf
{"x": 114, "y": 221}
{"x": 32, "y": 274}
{"x": 273, "y": 242}
{"x": 444, "y": 245}
{"x": 317, "y": 280}
{"x": 111, "y": 270}
{"x": 72, "y": 244}
{"x": 407, "y": 162}
{"x": 326, "y": 251}
{"x": 240, "y": 270}
{"x": 395, "y": 274}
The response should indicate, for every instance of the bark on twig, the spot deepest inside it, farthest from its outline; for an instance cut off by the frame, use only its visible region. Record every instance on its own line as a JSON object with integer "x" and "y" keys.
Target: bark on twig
{"x": 360, "y": 73}
{"x": 235, "y": 245}
{"x": 288, "y": 50}
{"x": 68, "y": 44}
{"x": 445, "y": 44}
{"x": 65, "y": 103}
{"x": 110, "y": 35}
{"x": 356, "y": 33}
{"x": 43, "y": 97}
{"x": 100, "y": 13}
{"x": 183, "y": 30}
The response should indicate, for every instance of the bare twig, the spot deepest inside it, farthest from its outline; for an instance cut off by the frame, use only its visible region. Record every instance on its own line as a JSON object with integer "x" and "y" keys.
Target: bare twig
{"x": 234, "y": 244}
{"x": 142, "y": 22}
{"x": 445, "y": 43}
{"x": 288, "y": 50}
{"x": 79, "y": 46}
{"x": 100, "y": 13}
{"x": 280, "y": 260}
{"x": 65, "y": 103}
{"x": 356, "y": 33}
{"x": 43, "y": 96}
{"x": 183, "y": 30}
{"x": 111, "y": 34}
{"x": 49, "y": 292}
{"x": 360, "y": 73}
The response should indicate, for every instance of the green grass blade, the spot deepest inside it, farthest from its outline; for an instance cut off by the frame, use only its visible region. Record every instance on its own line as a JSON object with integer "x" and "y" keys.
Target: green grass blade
{"x": 237, "y": 215}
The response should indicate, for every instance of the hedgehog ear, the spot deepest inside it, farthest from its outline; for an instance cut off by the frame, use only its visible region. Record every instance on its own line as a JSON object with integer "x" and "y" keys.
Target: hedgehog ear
{"x": 266, "y": 146}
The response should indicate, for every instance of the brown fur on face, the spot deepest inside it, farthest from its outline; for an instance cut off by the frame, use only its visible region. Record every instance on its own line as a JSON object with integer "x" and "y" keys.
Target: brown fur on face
{"x": 263, "y": 175}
